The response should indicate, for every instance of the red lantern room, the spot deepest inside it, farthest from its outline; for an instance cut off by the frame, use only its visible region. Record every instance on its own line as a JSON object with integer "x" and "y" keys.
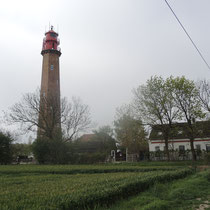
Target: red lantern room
{"x": 51, "y": 40}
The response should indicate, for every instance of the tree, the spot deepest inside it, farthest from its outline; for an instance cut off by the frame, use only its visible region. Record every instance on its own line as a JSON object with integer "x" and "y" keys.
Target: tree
{"x": 204, "y": 94}
{"x": 100, "y": 141}
{"x": 104, "y": 136}
{"x": 51, "y": 151}
{"x": 130, "y": 132}
{"x": 76, "y": 119}
{"x": 186, "y": 97}
{"x": 5, "y": 148}
{"x": 95, "y": 147}
{"x": 47, "y": 114}
{"x": 154, "y": 103}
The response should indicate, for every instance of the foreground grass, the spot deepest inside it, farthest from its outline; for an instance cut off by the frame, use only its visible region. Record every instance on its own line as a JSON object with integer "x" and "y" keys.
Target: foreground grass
{"x": 77, "y": 187}
{"x": 183, "y": 194}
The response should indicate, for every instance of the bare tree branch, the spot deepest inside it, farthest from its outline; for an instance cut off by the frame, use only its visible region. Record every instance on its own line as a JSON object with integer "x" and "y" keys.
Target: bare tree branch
{"x": 35, "y": 111}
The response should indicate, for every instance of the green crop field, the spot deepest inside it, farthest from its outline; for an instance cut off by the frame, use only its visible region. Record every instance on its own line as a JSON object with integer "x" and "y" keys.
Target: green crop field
{"x": 78, "y": 186}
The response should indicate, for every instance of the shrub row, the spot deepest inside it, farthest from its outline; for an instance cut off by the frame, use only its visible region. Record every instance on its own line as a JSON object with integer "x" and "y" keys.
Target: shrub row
{"x": 126, "y": 188}
{"x": 78, "y": 169}
{"x": 77, "y": 191}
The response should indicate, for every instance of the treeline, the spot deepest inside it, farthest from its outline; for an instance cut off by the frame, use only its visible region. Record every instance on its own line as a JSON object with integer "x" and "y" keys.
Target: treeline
{"x": 159, "y": 101}
{"x": 96, "y": 148}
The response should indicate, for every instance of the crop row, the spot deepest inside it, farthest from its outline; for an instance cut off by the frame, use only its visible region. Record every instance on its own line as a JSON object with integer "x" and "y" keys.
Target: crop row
{"x": 77, "y": 169}
{"x": 77, "y": 191}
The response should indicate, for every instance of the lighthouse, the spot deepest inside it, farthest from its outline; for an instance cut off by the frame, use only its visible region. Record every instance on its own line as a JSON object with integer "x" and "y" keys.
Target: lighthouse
{"x": 49, "y": 117}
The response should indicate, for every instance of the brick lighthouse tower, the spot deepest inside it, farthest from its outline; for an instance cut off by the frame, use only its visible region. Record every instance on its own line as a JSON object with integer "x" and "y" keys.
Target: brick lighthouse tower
{"x": 49, "y": 117}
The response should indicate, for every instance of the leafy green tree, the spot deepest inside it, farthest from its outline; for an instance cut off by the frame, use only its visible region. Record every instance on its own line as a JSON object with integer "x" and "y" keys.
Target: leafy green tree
{"x": 155, "y": 105}
{"x": 186, "y": 97}
{"x": 5, "y": 148}
{"x": 130, "y": 132}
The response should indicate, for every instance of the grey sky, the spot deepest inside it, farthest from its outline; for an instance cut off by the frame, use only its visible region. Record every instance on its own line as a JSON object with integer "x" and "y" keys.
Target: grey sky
{"x": 108, "y": 47}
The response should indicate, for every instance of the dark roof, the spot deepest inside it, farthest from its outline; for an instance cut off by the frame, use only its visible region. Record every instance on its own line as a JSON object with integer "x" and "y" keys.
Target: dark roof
{"x": 86, "y": 137}
{"x": 181, "y": 130}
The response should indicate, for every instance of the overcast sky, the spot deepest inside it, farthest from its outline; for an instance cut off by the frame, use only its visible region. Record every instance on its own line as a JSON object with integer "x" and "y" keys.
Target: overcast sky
{"x": 108, "y": 47}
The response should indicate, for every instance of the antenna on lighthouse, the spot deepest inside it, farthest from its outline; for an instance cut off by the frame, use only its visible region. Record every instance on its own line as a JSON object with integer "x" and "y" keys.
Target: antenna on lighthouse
{"x": 57, "y": 29}
{"x": 49, "y": 25}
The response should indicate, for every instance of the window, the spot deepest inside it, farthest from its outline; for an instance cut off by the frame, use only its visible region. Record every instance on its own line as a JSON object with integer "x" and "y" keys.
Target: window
{"x": 208, "y": 147}
{"x": 43, "y": 93}
{"x": 198, "y": 147}
{"x": 181, "y": 148}
{"x": 157, "y": 148}
{"x": 51, "y": 67}
{"x": 52, "y": 34}
{"x": 160, "y": 133}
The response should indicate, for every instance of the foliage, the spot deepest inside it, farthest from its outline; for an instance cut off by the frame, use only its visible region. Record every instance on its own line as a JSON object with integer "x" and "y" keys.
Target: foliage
{"x": 130, "y": 132}
{"x": 93, "y": 148}
{"x": 79, "y": 191}
{"x": 54, "y": 151}
{"x": 164, "y": 102}
{"x": 88, "y": 158}
{"x": 21, "y": 149}
{"x": 186, "y": 97}
{"x": 207, "y": 158}
{"x": 104, "y": 135}
{"x": 5, "y": 148}
{"x": 154, "y": 103}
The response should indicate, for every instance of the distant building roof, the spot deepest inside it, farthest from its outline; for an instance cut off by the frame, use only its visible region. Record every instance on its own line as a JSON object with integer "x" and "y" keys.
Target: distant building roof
{"x": 180, "y": 130}
{"x": 86, "y": 137}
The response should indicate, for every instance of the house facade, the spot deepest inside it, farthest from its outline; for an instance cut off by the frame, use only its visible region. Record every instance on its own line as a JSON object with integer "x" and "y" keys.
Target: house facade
{"x": 178, "y": 137}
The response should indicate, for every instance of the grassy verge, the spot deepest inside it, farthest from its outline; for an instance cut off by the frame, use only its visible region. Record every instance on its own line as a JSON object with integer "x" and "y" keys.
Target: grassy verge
{"x": 182, "y": 194}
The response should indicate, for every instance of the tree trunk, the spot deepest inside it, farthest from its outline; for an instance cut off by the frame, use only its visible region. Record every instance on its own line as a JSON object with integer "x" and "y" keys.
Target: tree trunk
{"x": 194, "y": 156}
{"x": 166, "y": 143}
{"x": 167, "y": 151}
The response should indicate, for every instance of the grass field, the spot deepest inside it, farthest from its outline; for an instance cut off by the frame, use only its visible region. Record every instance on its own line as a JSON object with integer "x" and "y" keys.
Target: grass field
{"x": 182, "y": 194}
{"x": 88, "y": 186}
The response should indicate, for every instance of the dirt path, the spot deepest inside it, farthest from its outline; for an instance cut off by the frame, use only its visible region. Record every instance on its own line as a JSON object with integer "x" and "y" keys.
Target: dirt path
{"x": 204, "y": 205}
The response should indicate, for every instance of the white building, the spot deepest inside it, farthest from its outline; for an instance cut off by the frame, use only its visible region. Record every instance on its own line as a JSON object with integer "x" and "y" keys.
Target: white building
{"x": 178, "y": 138}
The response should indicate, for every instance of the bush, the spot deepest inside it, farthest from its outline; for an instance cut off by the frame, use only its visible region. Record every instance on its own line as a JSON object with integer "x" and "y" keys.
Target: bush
{"x": 51, "y": 151}
{"x": 5, "y": 148}
{"x": 207, "y": 158}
